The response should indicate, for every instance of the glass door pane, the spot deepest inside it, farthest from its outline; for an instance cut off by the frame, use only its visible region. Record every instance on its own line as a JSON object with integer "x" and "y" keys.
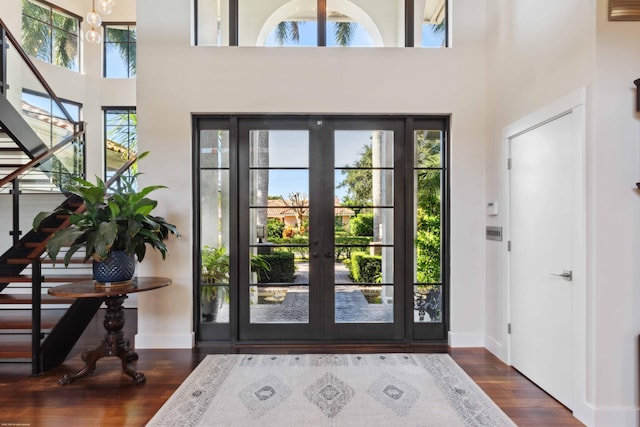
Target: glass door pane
{"x": 214, "y": 282}
{"x": 364, "y": 226}
{"x": 279, "y": 215}
{"x": 428, "y": 205}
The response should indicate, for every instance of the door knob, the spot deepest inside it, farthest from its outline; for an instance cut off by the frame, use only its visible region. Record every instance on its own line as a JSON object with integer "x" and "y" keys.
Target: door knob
{"x": 566, "y": 274}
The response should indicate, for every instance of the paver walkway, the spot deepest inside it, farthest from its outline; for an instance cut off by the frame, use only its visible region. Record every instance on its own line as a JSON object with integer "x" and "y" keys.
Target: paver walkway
{"x": 351, "y": 305}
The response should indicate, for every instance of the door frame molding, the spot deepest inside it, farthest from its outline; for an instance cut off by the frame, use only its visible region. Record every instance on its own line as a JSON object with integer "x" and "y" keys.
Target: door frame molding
{"x": 573, "y": 103}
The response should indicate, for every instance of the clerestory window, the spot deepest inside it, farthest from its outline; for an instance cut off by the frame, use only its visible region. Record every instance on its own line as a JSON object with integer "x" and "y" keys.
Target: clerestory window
{"x": 120, "y": 50}
{"x": 51, "y": 34}
{"x": 340, "y": 23}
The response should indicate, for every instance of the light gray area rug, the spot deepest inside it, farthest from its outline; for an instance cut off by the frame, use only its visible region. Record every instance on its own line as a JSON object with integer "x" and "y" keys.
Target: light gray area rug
{"x": 329, "y": 390}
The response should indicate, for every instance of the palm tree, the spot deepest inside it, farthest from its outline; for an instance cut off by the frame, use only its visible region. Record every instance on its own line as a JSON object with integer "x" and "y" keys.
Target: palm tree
{"x": 59, "y": 48}
{"x": 343, "y": 32}
{"x": 287, "y": 31}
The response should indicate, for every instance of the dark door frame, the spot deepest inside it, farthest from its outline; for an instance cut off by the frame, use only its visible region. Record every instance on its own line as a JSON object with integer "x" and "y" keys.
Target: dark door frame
{"x": 406, "y": 330}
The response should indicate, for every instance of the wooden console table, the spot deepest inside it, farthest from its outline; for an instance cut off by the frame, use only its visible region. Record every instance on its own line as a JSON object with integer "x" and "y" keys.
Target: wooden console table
{"x": 114, "y": 343}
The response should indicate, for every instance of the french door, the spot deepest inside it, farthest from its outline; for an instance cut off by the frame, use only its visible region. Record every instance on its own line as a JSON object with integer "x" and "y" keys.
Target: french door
{"x": 318, "y": 237}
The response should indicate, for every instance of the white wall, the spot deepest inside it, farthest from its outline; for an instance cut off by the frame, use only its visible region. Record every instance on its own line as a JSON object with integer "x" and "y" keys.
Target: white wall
{"x": 616, "y": 208}
{"x": 176, "y": 80}
{"x": 532, "y": 60}
{"x": 537, "y": 52}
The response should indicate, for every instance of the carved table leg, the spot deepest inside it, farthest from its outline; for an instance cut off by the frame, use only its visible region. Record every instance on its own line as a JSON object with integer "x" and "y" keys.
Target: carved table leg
{"x": 113, "y": 344}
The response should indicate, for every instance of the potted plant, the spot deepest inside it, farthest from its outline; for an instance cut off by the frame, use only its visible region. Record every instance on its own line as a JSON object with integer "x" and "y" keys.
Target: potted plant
{"x": 214, "y": 279}
{"x": 214, "y": 271}
{"x": 115, "y": 227}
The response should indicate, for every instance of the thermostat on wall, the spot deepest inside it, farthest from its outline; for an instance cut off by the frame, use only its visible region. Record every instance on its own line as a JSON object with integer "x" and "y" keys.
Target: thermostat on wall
{"x": 492, "y": 208}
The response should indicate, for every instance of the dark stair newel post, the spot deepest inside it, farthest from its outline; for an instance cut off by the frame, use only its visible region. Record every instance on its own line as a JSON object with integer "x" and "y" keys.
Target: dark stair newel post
{"x": 36, "y": 316}
{"x": 3, "y": 60}
{"x": 15, "y": 192}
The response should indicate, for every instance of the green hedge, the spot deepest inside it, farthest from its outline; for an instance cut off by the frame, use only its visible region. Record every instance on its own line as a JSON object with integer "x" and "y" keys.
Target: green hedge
{"x": 356, "y": 244}
{"x": 282, "y": 270}
{"x": 362, "y": 225}
{"x": 298, "y": 251}
{"x": 365, "y": 268}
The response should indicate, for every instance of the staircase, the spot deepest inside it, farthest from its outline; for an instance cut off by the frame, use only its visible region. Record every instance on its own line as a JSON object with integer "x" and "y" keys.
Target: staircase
{"x": 13, "y": 157}
{"x": 35, "y": 327}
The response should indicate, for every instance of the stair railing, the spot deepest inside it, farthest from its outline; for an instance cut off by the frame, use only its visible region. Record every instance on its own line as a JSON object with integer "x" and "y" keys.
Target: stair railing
{"x": 29, "y": 63}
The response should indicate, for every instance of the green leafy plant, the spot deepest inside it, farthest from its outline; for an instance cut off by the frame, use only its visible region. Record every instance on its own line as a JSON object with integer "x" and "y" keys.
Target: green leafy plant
{"x": 215, "y": 265}
{"x": 113, "y": 220}
{"x": 215, "y": 270}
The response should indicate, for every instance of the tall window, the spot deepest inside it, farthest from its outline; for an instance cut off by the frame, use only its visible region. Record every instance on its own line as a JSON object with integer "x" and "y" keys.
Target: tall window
{"x": 120, "y": 138}
{"x": 50, "y": 34}
{"x": 120, "y": 50}
{"x": 429, "y": 174}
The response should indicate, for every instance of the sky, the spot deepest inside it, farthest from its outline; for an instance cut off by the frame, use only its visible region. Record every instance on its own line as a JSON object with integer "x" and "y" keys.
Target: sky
{"x": 290, "y": 149}
{"x": 308, "y": 36}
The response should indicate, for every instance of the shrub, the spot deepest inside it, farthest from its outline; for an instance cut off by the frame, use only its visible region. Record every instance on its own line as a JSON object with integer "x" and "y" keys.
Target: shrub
{"x": 275, "y": 227}
{"x": 362, "y": 225}
{"x": 288, "y": 232}
{"x": 282, "y": 270}
{"x": 365, "y": 268}
{"x": 345, "y": 245}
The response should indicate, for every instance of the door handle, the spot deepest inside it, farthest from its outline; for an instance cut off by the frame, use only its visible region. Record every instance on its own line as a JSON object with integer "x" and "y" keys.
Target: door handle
{"x": 566, "y": 275}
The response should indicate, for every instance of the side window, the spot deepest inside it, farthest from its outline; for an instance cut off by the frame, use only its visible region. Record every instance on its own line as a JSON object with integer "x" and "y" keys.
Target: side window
{"x": 120, "y": 50}
{"x": 120, "y": 138}
{"x": 46, "y": 118}
{"x": 50, "y": 34}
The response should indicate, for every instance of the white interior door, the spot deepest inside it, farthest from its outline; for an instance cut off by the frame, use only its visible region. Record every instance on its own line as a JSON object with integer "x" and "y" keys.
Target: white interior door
{"x": 543, "y": 191}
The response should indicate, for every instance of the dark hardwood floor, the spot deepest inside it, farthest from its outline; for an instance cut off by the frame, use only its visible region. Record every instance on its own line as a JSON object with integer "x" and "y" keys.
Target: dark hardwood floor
{"x": 109, "y": 398}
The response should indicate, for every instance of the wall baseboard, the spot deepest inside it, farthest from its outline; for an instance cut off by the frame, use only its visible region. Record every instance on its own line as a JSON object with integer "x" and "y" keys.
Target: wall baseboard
{"x": 165, "y": 341}
{"x": 496, "y": 348}
{"x": 606, "y": 417}
{"x": 466, "y": 339}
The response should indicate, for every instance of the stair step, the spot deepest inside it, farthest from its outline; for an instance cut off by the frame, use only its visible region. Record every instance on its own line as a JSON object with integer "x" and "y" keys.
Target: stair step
{"x": 26, "y": 299}
{"x": 47, "y": 260}
{"x": 48, "y": 278}
{"x": 15, "y": 347}
{"x": 19, "y": 321}
{"x": 19, "y": 261}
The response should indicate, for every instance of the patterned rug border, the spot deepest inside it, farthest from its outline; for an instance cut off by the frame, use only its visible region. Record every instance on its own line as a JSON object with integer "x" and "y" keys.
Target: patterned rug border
{"x": 189, "y": 403}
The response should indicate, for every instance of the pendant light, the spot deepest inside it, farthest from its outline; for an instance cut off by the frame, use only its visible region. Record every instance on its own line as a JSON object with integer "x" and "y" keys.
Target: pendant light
{"x": 105, "y": 6}
{"x": 93, "y": 36}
